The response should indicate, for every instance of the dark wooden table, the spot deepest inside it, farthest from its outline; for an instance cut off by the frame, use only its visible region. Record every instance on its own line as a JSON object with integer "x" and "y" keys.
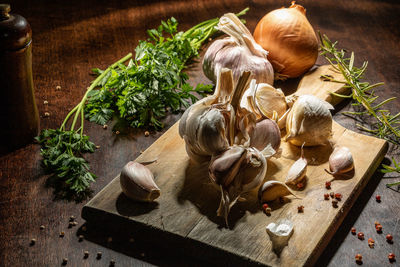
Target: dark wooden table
{"x": 71, "y": 37}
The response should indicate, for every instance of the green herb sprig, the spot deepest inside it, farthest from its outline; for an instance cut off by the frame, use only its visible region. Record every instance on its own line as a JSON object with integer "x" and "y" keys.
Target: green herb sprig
{"x": 389, "y": 169}
{"x": 385, "y": 125}
{"x": 153, "y": 82}
{"x": 62, "y": 149}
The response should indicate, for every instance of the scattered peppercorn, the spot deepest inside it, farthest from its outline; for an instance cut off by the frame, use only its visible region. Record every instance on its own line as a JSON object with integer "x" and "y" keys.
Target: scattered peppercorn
{"x": 332, "y": 194}
{"x": 265, "y": 206}
{"x": 338, "y": 196}
{"x": 42, "y": 227}
{"x": 62, "y": 234}
{"x": 86, "y": 254}
{"x": 371, "y": 242}
{"x": 146, "y": 133}
{"x": 112, "y": 262}
{"x": 33, "y": 241}
{"x": 392, "y": 257}
{"x": 389, "y": 238}
{"x": 99, "y": 255}
{"x": 300, "y": 209}
{"x": 105, "y": 126}
{"x": 300, "y": 185}
{"x": 378, "y": 198}
{"x": 379, "y": 228}
{"x": 328, "y": 185}
{"x": 360, "y": 235}
{"x": 353, "y": 230}
{"x": 326, "y": 196}
{"x": 376, "y": 223}
{"x": 334, "y": 203}
{"x": 358, "y": 257}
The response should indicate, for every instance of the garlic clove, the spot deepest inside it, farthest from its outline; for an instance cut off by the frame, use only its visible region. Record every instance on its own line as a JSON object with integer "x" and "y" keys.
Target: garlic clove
{"x": 269, "y": 99}
{"x": 340, "y": 161}
{"x": 137, "y": 182}
{"x": 265, "y": 132}
{"x": 272, "y": 190}
{"x": 297, "y": 171}
{"x": 309, "y": 122}
{"x": 279, "y": 234}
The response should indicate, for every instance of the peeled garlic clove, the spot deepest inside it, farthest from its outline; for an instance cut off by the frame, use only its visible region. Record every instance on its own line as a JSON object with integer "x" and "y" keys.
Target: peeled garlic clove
{"x": 297, "y": 171}
{"x": 279, "y": 234}
{"x": 272, "y": 190}
{"x": 309, "y": 122}
{"x": 265, "y": 132}
{"x": 340, "y": 161}
{"x": 137, "y": 182}
{"x": 238, "y": 52}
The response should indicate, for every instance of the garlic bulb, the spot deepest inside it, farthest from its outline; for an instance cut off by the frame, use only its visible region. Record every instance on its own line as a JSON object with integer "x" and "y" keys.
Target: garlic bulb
{"x": 309, "y": 122}
{"x": 237, "y": 171}
{"x": 137, "y": 182}
{"x": 340, "y": 161}
{"x": 238, "y": 52}
{"x": 280, "y": 233}
{"x": 272, "y": 190}
{"x": 297, "y": 171}
{"x": 207, "y": 125}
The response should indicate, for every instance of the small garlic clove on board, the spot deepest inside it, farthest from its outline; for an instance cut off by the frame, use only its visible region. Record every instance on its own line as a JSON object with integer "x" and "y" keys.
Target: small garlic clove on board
{"x": 137, "y": 182}
{"x": 279, "y": 234}
{"x": 297, "y": 171}
{"x": 309, "y": 122}
{"x": 272, "y": 190}
{"x": 340, "y": 161}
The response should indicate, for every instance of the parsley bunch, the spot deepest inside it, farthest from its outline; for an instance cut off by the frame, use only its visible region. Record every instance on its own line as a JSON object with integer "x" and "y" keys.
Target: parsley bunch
{"x": 153, "y": 82}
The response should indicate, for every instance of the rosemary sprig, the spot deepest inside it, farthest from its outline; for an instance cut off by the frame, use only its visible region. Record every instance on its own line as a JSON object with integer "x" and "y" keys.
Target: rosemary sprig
{"x": 388, "y": 169}
{"x": 385, "y": 125}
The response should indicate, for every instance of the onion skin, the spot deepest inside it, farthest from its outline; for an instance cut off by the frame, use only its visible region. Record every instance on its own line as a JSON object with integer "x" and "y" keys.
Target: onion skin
{"x": 290, "y": 39}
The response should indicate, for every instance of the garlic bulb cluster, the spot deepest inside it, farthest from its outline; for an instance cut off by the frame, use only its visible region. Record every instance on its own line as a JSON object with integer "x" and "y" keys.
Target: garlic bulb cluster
{"x": 309, "y": 122}
{"x": 236, "y": 144}
{"x": 137, "y": 182}
{"x": 238, "y": 52}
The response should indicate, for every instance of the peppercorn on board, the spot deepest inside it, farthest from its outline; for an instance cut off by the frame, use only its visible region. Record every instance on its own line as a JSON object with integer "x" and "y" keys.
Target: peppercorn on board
{"x": 184, "y": 216}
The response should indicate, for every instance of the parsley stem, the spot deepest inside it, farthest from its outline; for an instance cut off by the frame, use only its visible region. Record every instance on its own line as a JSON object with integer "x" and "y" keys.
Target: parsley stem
{"x": 79, "y": 108}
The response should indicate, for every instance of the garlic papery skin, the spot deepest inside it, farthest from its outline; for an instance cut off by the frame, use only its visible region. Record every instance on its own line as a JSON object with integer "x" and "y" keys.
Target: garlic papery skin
{"x": 340, "y": 161}
{"x": 137, "y": 182}
{"x": 238, "y": 52}
{"x": 236, "y": 171}
{"x": 309, "y": 122}
{"x": 297, "y": 171}
{"x": 272, "y": 190}
{"x": 265, "y": 132}
{"x": 279, "y": 234}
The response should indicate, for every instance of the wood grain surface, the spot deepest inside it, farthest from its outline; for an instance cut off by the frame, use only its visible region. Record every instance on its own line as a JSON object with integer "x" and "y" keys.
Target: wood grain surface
{"x": 70, "y": 38}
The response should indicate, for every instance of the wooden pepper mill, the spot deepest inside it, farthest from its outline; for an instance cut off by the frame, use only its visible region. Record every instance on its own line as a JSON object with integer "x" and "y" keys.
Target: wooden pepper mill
{"x": 19, "y": 119}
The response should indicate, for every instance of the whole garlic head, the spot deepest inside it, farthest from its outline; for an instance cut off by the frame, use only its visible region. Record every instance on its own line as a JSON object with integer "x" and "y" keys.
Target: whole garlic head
{"x": 309, "y": 122}
{"x": 238, "y": 52}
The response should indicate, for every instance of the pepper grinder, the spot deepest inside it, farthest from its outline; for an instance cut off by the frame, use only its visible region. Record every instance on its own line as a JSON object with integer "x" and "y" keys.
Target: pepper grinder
{"x": 19, "y": 118}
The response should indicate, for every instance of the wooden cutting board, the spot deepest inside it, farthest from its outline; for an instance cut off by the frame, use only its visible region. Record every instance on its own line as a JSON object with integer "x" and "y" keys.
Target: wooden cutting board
{"x": 185, "y": 214}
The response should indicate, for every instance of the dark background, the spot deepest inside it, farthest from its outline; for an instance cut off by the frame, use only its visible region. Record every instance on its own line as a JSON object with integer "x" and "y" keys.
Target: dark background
{"x": 71, "y": 37}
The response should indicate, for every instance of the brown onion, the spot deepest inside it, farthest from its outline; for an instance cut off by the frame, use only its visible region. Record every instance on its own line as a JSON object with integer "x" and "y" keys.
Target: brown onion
{"x": 290, "y": 39}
